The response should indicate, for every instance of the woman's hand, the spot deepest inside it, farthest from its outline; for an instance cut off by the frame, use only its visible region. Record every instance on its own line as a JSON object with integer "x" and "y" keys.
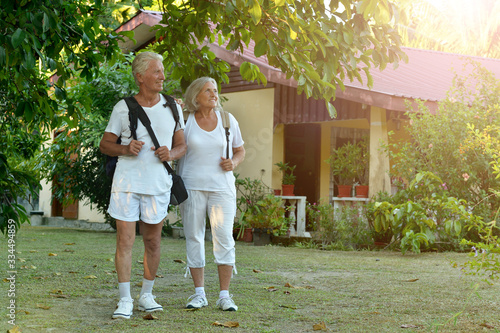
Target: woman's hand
{"x": 227, "y": 164}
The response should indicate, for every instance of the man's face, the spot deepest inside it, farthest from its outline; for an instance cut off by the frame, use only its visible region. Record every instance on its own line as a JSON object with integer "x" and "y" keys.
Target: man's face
{"x": 152, "y": 79}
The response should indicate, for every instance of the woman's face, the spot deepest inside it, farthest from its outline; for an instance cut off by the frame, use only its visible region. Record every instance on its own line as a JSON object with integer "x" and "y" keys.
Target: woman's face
{"x": 208, "y": 97}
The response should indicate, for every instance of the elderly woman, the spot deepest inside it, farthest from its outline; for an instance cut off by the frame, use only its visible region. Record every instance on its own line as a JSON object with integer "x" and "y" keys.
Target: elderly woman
{"x": 208, "y": 175}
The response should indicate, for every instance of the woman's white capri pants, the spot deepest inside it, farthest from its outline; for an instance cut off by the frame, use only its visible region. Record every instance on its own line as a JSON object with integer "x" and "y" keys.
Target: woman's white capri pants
{"x": 220, "y": 207}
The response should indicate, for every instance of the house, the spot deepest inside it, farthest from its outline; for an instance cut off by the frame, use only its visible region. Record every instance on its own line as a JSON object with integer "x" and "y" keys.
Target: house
{"x": 279, "y": 125}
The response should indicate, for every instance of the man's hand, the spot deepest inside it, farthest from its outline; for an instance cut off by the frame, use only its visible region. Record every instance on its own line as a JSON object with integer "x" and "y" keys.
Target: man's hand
{"x": 163, "y": 153}
{"x": 134, "y": 147}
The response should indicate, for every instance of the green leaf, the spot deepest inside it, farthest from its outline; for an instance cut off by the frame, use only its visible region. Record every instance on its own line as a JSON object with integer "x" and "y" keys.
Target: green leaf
{"x": 331, "y": 110}
{"x": 2, "y": 56}
{"x": 261, "y": 48}
{"x": 17, "y": 38}
{"x": 255, "y": 11}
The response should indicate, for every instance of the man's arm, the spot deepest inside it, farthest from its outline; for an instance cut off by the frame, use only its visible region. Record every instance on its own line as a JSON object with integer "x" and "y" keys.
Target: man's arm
{"x": 108, "y": 146}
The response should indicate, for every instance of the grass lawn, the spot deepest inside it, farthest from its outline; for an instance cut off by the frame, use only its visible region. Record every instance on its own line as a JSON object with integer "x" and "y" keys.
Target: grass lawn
{"x": 66, "y": 283}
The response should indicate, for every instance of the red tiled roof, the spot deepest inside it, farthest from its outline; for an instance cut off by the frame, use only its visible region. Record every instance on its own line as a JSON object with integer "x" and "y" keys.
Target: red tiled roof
{"x": 427, "y": 76}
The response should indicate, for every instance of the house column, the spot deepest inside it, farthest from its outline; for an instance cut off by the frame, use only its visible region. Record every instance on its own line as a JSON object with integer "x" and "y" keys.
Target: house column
{"x": 379, "y": 161}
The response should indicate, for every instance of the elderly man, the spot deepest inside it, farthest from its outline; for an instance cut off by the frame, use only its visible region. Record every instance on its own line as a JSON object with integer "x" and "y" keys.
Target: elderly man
{"x": 141, "y": 184}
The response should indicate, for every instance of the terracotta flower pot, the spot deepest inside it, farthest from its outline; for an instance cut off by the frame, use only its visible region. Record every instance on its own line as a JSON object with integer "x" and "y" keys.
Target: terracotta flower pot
{"x": 287, "y": 190}
{"x": 344, "y": 191}
{"x": 361, "y": 191}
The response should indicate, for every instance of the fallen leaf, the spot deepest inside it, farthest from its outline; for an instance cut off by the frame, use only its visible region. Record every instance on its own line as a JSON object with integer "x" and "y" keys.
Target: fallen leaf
{"x": 288, "y": 307}
{"x": 69, "y": 243}
{"x": 68, "y": 250}
{"x": 57, "y": 274}
{"x": 110, "y": 259}
{"x": 90, "y": 277}
{"x": 286, "y": 292}
{"x": 32, "y": 267}
{"x": 33, "y": 251}
{"x": 227, "y": 324}
{"x": 319, "y": 327}
{"x": 140, "y": 261}
{"x": 41, "y": 306}
{"x": 271, "y": 289}
{"x": 5, "y": 280}
{"x": 14, "y": 329}
{"x": 410, "y": 326}
{"x": 180, "y": 261}
{"x": 52, "y": 254}
{"x": 257, "y": 271}
{"x": 139, "y": 284}
{"x": 39, "y": 277}
{"x": 56, "y": 291}
{"x": 21, "y": 259}
{"x": 487, "y": 325}
{"x": 310, "y": 287}
{"x": 149, "y": 316}
{"x": 288, "y": 285}
{"x": 159, "y": 276}
{"x": 411, "y": 280}
{"x": 72, "y": 272}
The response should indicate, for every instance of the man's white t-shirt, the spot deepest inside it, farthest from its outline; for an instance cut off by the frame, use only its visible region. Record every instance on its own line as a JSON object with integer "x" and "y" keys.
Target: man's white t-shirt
{"x": 145, "y": 173}
{"x": 200, "y": 167}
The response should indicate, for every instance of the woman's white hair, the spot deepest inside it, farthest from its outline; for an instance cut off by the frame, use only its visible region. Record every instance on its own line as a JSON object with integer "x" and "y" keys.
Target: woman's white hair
{"x": 141, "y": 63}
{"x": 194, "y": 90}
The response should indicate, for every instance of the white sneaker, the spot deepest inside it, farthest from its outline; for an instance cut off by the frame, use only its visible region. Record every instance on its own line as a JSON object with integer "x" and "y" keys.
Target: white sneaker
{"x": 227, "y": 304}
{"x": 147, "y": 303}
{"x": 197, "y": 302}
{"x": 124, "y": 308}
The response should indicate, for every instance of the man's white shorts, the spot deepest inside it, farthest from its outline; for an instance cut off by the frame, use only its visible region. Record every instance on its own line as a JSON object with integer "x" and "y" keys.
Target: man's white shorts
{"x": 130, "y": 207}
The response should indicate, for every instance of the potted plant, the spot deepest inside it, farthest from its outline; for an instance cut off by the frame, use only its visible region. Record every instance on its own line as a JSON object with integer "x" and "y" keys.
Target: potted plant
{"x": 361, "y": 164}
{"x": 288, "y": 178}
{"x": 250, "y": 191}
{"x": 267, "y": 217}
{"x": 349, "y": 163}
{"x": 342, "y": 166}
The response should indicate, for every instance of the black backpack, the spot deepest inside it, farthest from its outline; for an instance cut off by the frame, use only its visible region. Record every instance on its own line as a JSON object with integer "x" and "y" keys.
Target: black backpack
{"x": 132, "y": 116}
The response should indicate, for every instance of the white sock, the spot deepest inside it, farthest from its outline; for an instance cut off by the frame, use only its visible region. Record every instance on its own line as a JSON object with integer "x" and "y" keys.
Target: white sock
{"x": 224, "y": 294}
{"x": 124, "y": 289}
{"x": 147, "y": 286}
{"x": 199, "y": 291}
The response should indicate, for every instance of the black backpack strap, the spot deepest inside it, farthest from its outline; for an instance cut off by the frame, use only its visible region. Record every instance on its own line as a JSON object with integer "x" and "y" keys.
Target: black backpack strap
{"x": 136, "y": 108}
{"x": 172, "y": 104}
{"x": 132, "y": 116}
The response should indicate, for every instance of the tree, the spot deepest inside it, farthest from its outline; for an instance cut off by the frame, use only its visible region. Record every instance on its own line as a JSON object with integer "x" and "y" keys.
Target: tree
{"x": 442, "y": 144}
{"x": 43, "y": 44}
{"x": 82, "y": 176}
{"x": 317, "y": 46}
{"x": 457, "y": 26}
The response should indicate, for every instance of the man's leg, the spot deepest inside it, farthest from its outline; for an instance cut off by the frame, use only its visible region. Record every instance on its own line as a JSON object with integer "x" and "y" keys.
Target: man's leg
{"x": 151, "y": 235}
{"x": 125, "y": 237}
{"x": 152, "y": 239}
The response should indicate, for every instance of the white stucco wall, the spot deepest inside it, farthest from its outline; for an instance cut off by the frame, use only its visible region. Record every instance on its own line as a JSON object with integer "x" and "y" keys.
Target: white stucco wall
{"x": 254, "y": 111}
